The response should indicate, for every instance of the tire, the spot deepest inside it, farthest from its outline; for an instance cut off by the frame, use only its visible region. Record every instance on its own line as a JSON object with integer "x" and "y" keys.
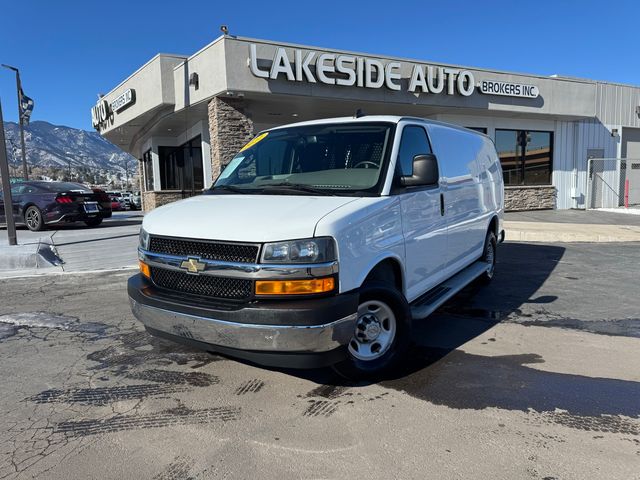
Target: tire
{"x": 381, "y": 336}
{"x": 93, "y": 222}
{"x": 489, "y": 256}
{"x": 33, "y": 219}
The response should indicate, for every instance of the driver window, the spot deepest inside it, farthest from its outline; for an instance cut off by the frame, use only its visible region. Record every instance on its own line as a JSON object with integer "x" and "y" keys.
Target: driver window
{"x": 413, "y": 142}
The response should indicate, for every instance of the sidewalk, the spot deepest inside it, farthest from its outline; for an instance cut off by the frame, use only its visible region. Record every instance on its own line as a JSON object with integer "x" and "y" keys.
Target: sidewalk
{"x": 37, "y": 253}
{"x": 564, "y": 226}
{"x": 73, "y": 247}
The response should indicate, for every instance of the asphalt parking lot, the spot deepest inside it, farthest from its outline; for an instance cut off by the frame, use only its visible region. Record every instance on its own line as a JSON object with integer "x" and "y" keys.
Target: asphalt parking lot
{"x": 535, "y": 376}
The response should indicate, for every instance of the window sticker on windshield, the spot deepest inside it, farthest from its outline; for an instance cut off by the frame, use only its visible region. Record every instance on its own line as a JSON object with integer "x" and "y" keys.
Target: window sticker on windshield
{"x": 230, "y": 168}
{"x": 259, "y": 138}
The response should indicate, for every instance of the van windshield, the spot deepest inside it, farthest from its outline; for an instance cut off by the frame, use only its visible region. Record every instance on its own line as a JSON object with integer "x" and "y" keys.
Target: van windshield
{"x": 330, "y": 159}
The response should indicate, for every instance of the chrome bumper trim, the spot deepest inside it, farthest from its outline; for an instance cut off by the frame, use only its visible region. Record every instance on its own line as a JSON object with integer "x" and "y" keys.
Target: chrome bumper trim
{"x": 252, "y": 271}
{"x": 242, "y": 336}
{"x": 70, "y": 215}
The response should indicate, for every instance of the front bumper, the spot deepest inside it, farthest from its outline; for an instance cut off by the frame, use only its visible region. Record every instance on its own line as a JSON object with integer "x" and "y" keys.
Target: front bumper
{"x": 294, "y": 333}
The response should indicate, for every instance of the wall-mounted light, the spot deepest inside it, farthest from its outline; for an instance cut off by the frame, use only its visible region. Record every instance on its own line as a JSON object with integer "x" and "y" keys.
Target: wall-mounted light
{"x": 614, "y": 132}
{"x": 194, "y": 80}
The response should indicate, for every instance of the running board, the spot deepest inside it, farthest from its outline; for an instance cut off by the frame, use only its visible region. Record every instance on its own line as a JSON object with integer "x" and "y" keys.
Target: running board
{"x": 425, "y": 305}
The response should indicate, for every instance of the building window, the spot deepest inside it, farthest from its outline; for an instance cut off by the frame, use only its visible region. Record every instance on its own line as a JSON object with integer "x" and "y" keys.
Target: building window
{"x": 181, "y": 167}
{"x": 147, "y": 170}
{"x": 478, "y": 129}
{"x": 526, "y": 156}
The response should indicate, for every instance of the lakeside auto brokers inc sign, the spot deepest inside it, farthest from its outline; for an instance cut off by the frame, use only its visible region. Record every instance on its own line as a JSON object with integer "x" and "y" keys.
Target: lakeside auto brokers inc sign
{"x": 349, "y": 71}
{"x": 103, "y": 110}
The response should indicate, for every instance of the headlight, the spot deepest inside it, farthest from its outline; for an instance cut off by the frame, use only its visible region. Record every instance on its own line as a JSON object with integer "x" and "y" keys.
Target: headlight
{"x": 309, "y": 250}
{"x": 144, "y": 239}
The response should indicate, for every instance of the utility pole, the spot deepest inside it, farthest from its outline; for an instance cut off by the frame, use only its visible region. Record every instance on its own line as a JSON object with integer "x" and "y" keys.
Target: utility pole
{"x": 6, "y": 186}
{"x": 25, "y": 170}
{"x": 69, "y": 163}
{"x": 126, "y": 170}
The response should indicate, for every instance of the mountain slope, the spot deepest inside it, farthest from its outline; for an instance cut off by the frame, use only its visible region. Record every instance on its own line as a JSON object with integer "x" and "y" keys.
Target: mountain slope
{"x": 50, "y": 145}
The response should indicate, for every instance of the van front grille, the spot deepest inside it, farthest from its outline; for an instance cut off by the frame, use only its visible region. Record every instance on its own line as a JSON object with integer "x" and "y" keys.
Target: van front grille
{"x": 203, "y": 285}
{"x": 210, "y": 250}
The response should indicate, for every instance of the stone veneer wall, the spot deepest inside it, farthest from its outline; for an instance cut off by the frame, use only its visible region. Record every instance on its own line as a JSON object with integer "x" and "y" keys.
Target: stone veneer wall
{"x": 529, "y": 198}
{"x": 151, "y": 200}
{"x": 229, "y": 128}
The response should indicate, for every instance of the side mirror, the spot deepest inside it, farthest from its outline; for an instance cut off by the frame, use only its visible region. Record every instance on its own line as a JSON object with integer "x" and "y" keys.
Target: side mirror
{"x": 425, "y": 171}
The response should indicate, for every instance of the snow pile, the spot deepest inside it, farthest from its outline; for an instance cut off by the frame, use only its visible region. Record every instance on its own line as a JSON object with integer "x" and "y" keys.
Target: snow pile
{"x": 38, "y": 319}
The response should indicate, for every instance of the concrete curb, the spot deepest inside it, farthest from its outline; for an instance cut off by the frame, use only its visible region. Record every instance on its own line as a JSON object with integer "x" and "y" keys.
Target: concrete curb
{"x": 58, "y": 271}
{"x": 570, "y": 232}
{"x": 38, "y": 255}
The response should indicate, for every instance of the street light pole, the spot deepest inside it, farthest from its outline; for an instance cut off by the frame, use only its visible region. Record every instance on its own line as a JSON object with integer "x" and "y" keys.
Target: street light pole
{"x": 6, "y": 186}
{"x": 25, "y": 170}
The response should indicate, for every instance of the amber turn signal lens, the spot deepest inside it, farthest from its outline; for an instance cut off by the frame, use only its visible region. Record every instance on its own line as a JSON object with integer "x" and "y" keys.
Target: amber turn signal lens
{"x": 295, "y": 287}
{"x": 144, "y": 269}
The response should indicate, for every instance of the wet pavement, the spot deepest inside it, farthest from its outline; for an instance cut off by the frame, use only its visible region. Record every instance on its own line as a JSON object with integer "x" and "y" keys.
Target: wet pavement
{"x": 535, "y": 376}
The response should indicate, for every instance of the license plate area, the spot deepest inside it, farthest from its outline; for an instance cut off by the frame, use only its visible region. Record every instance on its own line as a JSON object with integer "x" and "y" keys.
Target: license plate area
{"x": 91, "y": 207}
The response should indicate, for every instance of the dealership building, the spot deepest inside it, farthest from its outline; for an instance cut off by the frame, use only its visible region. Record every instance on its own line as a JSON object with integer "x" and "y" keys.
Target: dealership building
{"x": 185, "y": 117}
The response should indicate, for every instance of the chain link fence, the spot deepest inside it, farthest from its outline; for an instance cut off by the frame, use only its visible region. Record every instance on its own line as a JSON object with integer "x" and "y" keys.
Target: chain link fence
{"x": 613, "y": 182}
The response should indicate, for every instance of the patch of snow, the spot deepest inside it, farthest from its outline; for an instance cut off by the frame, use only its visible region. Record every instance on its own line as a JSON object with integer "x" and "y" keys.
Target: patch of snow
{"x": 39, "y": 319}
{"x": 10, "y": 324}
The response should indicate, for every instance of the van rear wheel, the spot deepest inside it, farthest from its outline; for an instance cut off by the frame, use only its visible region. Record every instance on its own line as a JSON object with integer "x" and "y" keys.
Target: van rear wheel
{"x": 381, "y": 334}
{"x": 489, "y": 257}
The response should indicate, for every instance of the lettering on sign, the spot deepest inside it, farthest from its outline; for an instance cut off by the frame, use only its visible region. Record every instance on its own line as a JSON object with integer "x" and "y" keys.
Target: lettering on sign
{"x": 124, "y": 100}
{"x": 494, "y": 87}
{"x": 103, "y": 111}
{"x": 100, "y": 113}
{"x": 353, "y": 71}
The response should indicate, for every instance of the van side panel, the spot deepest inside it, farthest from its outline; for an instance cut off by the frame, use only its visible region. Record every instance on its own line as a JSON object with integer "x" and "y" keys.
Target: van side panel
{"x": 367, "y": 232}
{"x": 469, "y": 205}
{"x": 491, "y": 178}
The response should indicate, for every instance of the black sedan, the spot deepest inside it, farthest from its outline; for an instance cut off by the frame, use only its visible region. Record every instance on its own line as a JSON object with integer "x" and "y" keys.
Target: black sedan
{"x": 37, "y": 204}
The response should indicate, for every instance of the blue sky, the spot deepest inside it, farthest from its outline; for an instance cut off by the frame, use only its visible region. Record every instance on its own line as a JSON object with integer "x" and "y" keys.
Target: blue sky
{"x": 70, "y": 50}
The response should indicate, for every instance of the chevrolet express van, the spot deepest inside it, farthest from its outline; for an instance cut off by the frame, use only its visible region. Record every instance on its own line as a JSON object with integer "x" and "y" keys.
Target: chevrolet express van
{"x": 321, "y": 242}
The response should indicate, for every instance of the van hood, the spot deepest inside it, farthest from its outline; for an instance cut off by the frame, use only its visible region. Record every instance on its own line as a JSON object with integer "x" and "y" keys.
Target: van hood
{"x": 243, "y": 218}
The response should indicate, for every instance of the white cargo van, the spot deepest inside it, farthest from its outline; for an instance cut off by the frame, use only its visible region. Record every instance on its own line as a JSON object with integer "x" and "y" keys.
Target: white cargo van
{"x": 322, "y": 241}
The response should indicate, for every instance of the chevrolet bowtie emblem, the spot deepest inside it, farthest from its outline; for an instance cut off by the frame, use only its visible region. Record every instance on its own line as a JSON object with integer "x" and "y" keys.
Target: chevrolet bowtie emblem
{"x": 193, "y": 265}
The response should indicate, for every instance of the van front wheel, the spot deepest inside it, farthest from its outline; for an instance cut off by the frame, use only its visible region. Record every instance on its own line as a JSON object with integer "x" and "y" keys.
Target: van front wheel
{"x": 381, "y": 334}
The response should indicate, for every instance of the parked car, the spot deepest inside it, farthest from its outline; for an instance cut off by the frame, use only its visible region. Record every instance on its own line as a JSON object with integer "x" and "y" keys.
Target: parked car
{"x": 117, "y": 203}
{"x": 321, "y": 242}
{"x": 38, "y": 204}
{"x": 136, "y": 201}
{"x": 127, "y": 197}
{"x": 117, "y": 197}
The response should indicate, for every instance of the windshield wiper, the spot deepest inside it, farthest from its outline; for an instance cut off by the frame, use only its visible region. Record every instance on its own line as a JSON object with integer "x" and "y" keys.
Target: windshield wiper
{"x": 297, "y": 186}
{"x": 230, "y": 188}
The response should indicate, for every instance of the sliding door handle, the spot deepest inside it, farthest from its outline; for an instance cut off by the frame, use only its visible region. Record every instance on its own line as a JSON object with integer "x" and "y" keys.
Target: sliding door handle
{"x": 442, "y": 205}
